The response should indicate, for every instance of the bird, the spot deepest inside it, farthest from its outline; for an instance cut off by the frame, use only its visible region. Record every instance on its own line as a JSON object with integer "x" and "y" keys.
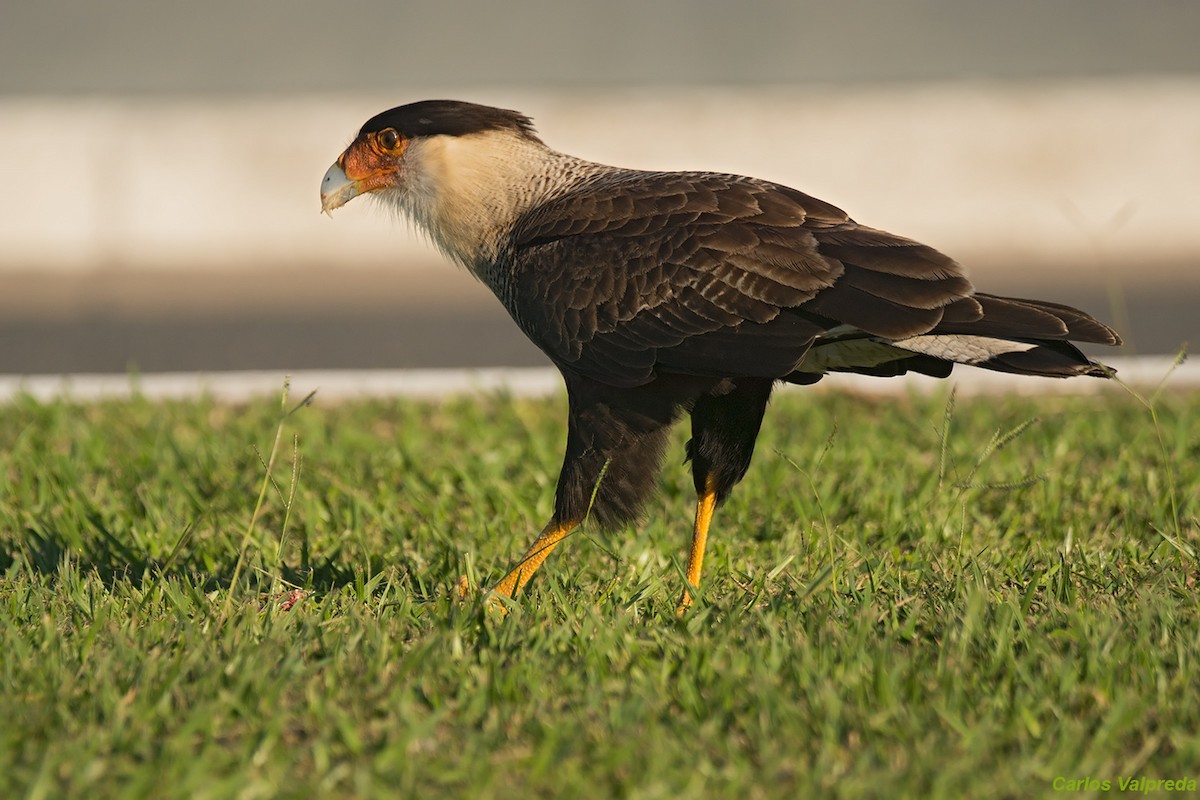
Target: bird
{"x": 661, "y": 294}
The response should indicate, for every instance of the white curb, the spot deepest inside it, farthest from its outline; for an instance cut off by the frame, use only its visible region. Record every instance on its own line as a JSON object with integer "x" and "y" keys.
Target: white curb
{"x": 1140, "y": 372}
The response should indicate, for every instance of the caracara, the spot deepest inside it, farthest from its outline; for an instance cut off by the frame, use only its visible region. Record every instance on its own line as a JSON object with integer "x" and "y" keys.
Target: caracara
{"x": 658, "y": 294}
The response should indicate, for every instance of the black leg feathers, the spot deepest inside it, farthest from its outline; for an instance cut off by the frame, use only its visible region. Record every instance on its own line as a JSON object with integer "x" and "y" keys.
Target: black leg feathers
{"x": 724, "y": 429}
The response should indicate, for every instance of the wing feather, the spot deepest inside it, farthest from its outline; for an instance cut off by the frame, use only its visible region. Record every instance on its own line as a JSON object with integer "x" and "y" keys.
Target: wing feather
{"x": 631, "y": 274}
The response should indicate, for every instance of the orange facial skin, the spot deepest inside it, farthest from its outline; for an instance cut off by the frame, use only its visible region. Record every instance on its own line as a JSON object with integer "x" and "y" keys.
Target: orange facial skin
{"x": 371, "y": 162}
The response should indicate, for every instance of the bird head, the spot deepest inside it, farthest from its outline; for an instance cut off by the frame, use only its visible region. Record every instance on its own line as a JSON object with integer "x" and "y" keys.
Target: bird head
{"x": 374, "y": 161}
{"x": 389, "y": 151}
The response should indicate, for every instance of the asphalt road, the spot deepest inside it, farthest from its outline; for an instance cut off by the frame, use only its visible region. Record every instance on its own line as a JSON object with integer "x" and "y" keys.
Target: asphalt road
{"x": 270, "y": 46}
{"x": 52, "y": 324}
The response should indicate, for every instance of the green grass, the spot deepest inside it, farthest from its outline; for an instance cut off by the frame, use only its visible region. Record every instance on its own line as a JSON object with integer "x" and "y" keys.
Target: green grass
{"x": 896, "y": 603}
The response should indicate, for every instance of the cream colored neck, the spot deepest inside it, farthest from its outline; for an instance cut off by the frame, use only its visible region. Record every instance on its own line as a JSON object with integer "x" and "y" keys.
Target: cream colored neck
{"x": 467, "y": 191}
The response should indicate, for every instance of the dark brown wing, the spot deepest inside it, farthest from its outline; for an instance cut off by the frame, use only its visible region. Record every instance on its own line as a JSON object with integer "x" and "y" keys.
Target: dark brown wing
{"x": 715, "y": 275}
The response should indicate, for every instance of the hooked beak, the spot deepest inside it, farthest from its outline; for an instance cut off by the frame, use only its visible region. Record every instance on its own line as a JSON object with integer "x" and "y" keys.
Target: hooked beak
{"x": 363, "y": 168}
{"x": 337, "y": 189}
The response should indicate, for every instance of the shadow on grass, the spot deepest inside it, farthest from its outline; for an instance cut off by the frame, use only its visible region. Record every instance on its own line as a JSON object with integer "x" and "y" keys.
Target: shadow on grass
{"x": 113, "y": 561}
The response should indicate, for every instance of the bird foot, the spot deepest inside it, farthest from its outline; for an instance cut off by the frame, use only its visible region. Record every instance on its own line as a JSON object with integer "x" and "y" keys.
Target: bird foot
{"x": 462, "y": 591}
{"x": 685, "y": 603}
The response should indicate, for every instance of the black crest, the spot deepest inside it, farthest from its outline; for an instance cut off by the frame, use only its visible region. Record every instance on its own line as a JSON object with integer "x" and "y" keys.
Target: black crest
{"x": 449, "y": 118}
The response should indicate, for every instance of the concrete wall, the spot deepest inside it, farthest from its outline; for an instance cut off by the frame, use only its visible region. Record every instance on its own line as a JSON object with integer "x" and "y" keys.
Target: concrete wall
{"x": 1069, "y": 173}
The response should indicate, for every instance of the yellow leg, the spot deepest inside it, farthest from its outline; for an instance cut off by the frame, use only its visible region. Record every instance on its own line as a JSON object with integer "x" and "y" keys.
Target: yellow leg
{"x": 706, "y": 504}
{"x": 549, "y": 538}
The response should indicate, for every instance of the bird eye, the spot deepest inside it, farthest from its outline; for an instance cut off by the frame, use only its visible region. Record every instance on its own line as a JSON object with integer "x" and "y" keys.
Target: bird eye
{"x": 388, "y": 138}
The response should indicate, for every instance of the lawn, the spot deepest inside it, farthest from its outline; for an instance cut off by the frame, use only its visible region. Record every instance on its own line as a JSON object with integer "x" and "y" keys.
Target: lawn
{"x": 907, "y": 597}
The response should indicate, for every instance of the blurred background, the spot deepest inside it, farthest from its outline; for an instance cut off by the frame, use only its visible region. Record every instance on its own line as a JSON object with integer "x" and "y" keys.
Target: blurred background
{"x": 162, "y": 160}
